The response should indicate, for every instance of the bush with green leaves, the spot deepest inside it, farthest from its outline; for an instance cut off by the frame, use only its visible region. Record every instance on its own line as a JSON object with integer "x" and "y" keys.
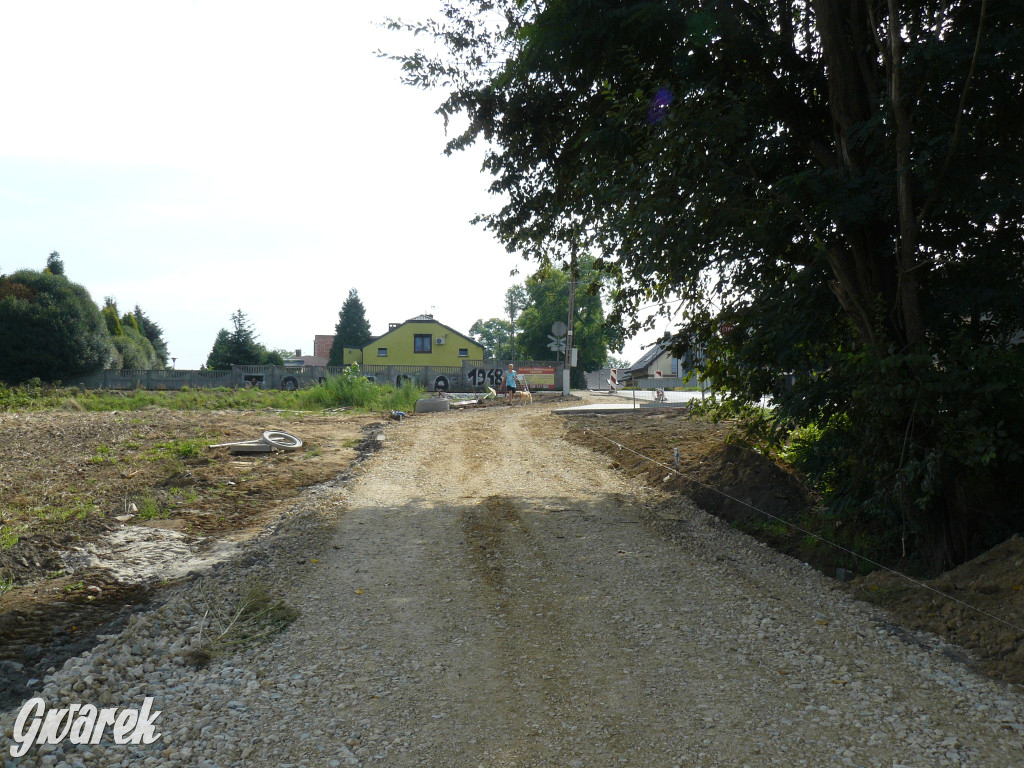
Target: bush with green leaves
{"x": 354, "y": 390}
{"x": 49, "y": 329}
{"x": 134, "y": 350}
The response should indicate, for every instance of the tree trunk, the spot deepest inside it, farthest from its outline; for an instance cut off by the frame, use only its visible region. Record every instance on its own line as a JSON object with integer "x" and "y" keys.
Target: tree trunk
{"x": 877, "y": 266}
{"x": 908, "y": 310}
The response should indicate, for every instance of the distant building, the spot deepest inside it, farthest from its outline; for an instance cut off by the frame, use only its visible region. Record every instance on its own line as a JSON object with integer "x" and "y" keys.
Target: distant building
{"x": 657, "y": 358}
{"x": 298, "y": 360}
{"x": 660, "y": 358}
{"x": 322, "y": 347}
{"x": 421, "y": 340}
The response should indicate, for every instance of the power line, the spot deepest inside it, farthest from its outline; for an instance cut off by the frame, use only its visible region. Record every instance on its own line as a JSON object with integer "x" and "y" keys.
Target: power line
{"x": 796, "y": 527}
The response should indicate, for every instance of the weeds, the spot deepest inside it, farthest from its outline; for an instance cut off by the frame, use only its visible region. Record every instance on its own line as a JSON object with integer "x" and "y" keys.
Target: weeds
{"x": 189, "y": 496}
{"x": 8, "y": 536}
{"x": 149, "y": 509}
{"x": 228, "y": 625}
{"x": 181, "y": 449}
{"x": 6, "y": 585}
{"x": 60, "y": 515}
{"x": 103, "y": 455}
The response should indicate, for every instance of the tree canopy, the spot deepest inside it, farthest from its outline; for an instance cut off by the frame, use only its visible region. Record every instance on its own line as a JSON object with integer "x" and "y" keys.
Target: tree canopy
{"x": 352, "y": 330}
{"x": 134, "y": 350}
{"x": 55, "y": 264}
{"x": 240, "y": 347}
{"x": 153, "y": 332}
{"x": 840, "y": 183}
{"x": 495, "y": 336}
{"x": 547, "y": 293}
{"x": 49, "y": 329}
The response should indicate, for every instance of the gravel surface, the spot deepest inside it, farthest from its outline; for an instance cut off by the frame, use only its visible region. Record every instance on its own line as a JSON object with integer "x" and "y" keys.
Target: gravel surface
{"x": 488, "y": 594}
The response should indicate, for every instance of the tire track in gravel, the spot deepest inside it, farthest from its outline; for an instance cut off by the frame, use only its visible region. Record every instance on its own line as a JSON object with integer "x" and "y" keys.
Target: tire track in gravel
{"x": 493, "y": 597}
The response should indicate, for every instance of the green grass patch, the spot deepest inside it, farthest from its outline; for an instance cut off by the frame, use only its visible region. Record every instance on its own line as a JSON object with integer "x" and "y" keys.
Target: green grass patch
{"x": 103, "y": 454}
{"x": 349, "y": 390}
{"x": 185, "y": 496}
{"x": 149, "y": 509}
{"x": 59, "y": 515}
{"x": 9, "y": 535}
{"x": 180, "y": 449}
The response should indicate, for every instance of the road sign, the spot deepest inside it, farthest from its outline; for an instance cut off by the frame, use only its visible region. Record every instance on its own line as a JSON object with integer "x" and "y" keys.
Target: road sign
{"x": 557, "y": 343}
{"x": 559, "y": 328}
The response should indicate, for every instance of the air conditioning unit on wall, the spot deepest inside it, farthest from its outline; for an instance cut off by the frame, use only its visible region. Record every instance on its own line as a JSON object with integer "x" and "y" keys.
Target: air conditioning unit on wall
{"x": 439, "y": 340}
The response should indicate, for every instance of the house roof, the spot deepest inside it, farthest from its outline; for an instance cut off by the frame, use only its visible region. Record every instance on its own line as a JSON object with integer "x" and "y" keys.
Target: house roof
{"x": 650, "y": 356}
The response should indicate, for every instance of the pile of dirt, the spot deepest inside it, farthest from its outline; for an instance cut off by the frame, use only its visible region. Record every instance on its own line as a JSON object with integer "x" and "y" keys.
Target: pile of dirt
{"x": 978, "y": 605}
{"x": 723, "y": 476}
{"x": 696, "y": 458}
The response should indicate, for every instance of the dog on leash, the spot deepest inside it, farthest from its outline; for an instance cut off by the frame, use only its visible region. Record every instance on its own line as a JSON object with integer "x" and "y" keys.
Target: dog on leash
{"x": 524, "y": 394}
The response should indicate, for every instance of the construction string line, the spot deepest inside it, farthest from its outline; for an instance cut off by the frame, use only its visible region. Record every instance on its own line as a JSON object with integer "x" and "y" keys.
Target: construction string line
{"x": 804, "y": 531}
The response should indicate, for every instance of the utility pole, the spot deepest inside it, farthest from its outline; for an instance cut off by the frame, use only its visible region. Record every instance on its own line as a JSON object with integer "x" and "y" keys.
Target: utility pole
{"x": 566, "y": 370}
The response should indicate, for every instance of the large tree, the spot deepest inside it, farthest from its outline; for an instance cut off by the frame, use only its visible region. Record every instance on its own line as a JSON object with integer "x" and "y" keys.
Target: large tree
{"x": 49, "y": 329}
{"x": 547, "y": 293}
{"x": 495, "y": 336}
{"x": 839, "y": 182}
{"x": 151, "y": 331}
{"x": 134, "y": 350}
{"x": 240, "y": 347}
{"x": 352, "y": 330}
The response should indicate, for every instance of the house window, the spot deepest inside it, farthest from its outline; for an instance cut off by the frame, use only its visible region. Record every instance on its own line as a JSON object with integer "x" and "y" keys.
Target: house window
{"x": 463, "y": 353}
{"x": 421, "y": 342}
{"x": 382, "y": 351}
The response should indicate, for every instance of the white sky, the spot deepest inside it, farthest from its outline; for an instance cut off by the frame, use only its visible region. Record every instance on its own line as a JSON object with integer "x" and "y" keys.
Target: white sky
{"x": 199, "y": 156}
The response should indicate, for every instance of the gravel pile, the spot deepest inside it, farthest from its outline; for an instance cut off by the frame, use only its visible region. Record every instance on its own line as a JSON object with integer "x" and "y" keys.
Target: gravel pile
{"x": 466, "y": 607}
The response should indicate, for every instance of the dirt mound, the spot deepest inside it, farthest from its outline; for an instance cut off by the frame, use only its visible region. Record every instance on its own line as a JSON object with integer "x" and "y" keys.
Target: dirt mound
{"x": 983, "y": 613}
{"x": 696, "y": 458}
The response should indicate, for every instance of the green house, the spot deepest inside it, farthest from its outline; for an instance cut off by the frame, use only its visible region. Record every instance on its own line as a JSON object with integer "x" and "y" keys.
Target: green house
{"x": 419, "y": 341}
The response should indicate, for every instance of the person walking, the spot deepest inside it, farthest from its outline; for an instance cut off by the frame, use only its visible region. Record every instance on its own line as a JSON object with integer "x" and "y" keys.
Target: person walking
{"x": 510, "y": 383}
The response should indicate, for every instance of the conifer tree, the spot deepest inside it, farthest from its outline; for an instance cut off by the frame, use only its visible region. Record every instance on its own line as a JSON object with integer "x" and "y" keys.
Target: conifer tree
{"x": 352, "y": 330}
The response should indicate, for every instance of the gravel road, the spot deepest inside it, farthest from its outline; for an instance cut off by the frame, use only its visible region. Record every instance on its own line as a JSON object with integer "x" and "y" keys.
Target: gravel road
{"x": 485, "y": 593}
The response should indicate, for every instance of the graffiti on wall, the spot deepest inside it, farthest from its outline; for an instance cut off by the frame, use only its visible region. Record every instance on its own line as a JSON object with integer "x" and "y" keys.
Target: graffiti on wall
{"x": 484, "y": 377}
{"x": 535, "y": 377}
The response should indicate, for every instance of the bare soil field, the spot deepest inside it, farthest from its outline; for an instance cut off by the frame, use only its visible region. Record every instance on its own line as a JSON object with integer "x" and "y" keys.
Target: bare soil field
{"x": 986, "y": 614}
{"x": 98, "y": 509}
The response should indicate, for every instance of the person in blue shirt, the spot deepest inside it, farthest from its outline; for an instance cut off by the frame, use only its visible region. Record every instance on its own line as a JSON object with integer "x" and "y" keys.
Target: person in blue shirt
{"x": 510, "y": 383}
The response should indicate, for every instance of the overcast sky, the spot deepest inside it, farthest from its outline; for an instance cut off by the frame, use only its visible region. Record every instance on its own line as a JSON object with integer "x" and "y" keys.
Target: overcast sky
{"x": 197, "y": 157}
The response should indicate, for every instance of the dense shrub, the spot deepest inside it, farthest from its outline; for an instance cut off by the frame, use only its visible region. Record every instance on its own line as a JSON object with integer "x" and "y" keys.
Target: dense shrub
{"x": 356, "y": 391}
{"x": 49, "y": 329}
